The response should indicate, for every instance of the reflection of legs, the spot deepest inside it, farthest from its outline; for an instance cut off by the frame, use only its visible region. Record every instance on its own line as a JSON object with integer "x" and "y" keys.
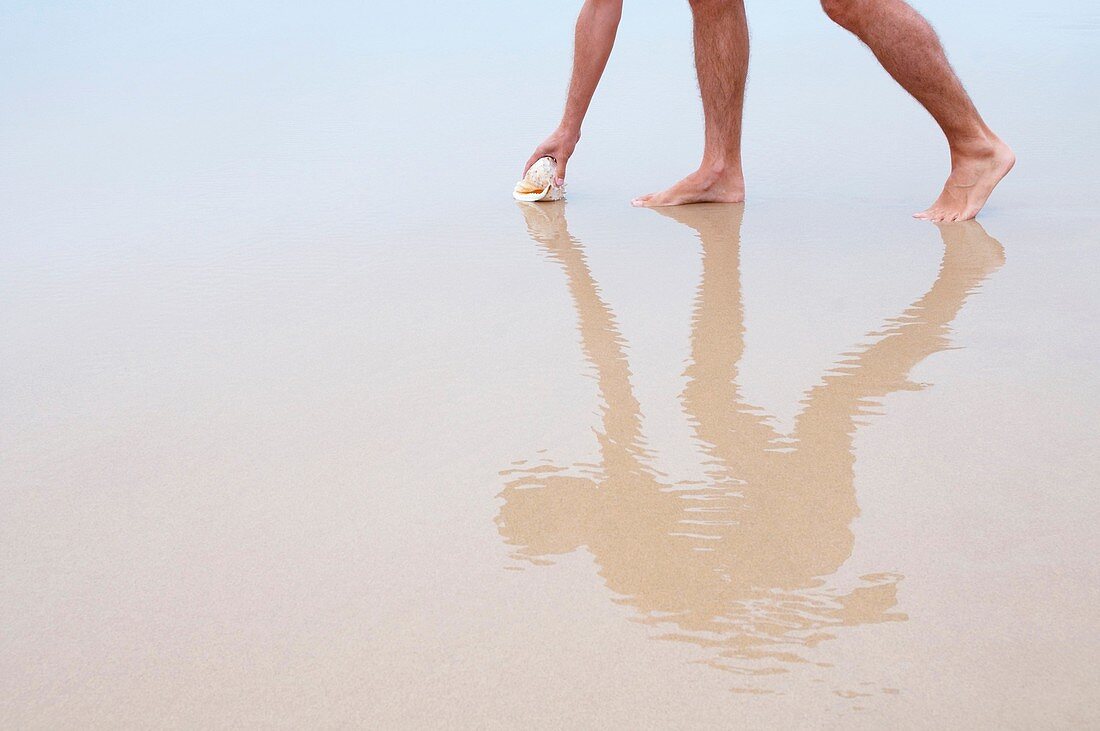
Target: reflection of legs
{"x": 823, "y": 461}
{"x": 907, "y": 47}
{"x": 829, "y": 419}
{"x": 736, "y": 433}
{"x": 783, "y": 527}
{"x": 722, "y": 63}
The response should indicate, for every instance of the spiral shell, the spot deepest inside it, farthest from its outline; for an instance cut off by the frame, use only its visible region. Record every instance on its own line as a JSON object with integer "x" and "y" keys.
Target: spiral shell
{"x": 538, "y": 183}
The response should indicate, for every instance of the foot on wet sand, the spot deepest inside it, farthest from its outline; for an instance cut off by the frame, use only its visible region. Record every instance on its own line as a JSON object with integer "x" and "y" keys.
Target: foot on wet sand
{"x": 973, "y": 177}
{"x": 702, "y": 186}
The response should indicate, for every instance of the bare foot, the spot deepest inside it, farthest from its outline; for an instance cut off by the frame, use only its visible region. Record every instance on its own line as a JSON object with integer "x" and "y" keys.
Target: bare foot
{"x": 973, "y": 177}
{"x": 702, "y": 186}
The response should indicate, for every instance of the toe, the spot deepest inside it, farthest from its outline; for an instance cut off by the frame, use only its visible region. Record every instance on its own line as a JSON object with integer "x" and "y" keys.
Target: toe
{"x": 654, "y": 200}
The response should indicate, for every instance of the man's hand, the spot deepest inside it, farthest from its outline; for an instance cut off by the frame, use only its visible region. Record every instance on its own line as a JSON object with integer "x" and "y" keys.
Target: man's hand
{"x": 560, "y": 146}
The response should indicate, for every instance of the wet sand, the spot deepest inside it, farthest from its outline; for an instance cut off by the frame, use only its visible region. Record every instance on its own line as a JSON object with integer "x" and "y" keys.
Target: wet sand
{"x": 291, "y": 437}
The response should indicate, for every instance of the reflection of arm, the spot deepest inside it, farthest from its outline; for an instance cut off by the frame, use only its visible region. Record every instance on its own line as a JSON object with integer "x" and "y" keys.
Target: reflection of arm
{"x": 603, "y": 346}
{"x": 600, "y": 339}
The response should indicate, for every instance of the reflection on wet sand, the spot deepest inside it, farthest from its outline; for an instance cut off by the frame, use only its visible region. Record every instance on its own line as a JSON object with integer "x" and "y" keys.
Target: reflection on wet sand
{"x": 742, "y": 564}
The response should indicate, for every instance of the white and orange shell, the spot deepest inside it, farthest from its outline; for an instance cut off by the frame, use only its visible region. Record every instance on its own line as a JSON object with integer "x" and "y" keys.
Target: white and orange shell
{"x": 538, "y": 183}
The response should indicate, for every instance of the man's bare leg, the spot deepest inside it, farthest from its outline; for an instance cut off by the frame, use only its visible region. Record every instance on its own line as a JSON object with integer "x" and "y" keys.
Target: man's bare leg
{"x": 722, "y": 64}
{"x": 907, "y": 47}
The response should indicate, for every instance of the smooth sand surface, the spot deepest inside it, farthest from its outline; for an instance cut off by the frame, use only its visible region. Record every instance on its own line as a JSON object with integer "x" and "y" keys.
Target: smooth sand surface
{"x": 305, "y": 423}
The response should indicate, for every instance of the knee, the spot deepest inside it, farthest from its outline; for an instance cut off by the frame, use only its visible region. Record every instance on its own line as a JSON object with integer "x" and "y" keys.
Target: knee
{"x": 841, "y": 12}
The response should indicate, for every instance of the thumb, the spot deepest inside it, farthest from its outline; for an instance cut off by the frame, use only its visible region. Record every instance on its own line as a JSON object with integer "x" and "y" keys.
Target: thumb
{"x": 559, "y": 179}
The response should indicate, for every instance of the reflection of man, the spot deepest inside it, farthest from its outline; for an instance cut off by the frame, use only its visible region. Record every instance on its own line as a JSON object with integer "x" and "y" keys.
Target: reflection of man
{"x": 747, "y": 556}
{"x": 902, "y": 41}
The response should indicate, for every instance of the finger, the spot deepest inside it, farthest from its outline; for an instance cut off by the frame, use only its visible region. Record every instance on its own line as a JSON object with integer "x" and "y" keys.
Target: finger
{"x": 560, "y": 179}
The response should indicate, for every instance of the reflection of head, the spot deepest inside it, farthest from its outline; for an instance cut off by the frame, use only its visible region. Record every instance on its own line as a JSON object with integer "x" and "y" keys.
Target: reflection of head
{"x": 748, "y": 555}
{"x": 547, "y": 515}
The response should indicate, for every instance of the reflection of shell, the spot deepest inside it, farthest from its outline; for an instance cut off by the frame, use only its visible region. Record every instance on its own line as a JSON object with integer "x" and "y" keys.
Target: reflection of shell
{"x": 538, "y": 183}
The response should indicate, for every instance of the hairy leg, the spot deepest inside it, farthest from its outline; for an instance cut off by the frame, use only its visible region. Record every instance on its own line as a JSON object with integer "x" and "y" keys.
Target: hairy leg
{"x": 722, "y": 63}
{"x": 909, "y": 50}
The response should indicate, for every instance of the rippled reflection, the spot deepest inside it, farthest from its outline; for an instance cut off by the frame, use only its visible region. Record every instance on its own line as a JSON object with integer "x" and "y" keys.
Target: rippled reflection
{"x": 742, "y": 564}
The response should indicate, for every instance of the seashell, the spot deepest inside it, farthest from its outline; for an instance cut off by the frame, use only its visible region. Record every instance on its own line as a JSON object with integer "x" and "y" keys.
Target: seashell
{"x": 538, "y": 183}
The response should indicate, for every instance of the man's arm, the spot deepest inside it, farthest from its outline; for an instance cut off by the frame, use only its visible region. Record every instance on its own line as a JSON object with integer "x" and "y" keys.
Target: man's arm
{"x": 595, "y": 35}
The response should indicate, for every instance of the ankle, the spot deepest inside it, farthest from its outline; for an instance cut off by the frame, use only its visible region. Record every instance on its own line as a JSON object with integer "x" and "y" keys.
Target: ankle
{"x": 978, "y": 146}
{"x": 720, "y": 171}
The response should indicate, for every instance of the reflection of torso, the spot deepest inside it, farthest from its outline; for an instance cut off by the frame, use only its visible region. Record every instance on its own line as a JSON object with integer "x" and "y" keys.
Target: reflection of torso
{"x": 672, "y": 549}
{"x": 748, "y": 555}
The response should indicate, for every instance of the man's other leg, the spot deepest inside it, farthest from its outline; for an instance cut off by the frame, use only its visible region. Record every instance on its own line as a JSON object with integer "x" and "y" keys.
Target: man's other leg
{"x": 722, "y": 63}
{"x": 907, "y": 47}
